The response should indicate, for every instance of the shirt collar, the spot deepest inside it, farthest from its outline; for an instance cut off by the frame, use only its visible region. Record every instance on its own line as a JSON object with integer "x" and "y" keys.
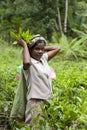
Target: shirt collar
{"x": 35, "y": 61}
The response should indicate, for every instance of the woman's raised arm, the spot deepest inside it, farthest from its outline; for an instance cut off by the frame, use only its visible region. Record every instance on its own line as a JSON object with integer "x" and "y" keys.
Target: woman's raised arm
{"x": 51, "y": 51}
{"x": 25, "y": 54}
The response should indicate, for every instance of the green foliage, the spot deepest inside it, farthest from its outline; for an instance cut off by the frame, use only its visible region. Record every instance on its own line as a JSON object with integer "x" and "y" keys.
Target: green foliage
{"x": 27, "y": 14}
{"x": 26, "y": 36}
{"x": 66, "y": 110}
{"x": 68, "y": 105}
{"x": 8, "y": 81}
{"x": 79, "y": 32}
{"x": 71, "y": 48}
{"x": 77, "y": 17}
{"x": 41, "y": 17}
{"x": 81, "y": 8}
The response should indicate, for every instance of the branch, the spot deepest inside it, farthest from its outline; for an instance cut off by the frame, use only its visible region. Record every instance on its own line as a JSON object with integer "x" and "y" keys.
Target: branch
{"x": 59, "y": 20}
{"x": 66, "y": 14}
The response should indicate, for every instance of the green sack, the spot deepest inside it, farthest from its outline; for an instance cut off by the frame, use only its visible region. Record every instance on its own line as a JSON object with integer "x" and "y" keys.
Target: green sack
{"x": 19, "y": 104}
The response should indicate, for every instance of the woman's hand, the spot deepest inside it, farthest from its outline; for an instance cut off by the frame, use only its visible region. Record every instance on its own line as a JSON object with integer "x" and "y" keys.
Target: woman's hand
{"x": 21, "y": 42}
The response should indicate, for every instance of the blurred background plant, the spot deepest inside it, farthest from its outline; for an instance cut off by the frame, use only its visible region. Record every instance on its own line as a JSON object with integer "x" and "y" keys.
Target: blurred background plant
{"x": 71, "y": 48}
{"x": 45, "y": 19}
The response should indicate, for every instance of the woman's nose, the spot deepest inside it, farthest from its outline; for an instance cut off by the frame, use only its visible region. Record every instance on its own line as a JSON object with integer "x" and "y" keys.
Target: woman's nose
{"x": 40, "y": 51}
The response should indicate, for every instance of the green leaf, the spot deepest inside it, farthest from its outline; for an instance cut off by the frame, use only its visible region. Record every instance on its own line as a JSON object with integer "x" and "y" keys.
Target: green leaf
{"x": 15, "y": 42}
{"x": 26, "y": 36}
{"x": 13, "y": 35}
{"x": 81, "y": 40}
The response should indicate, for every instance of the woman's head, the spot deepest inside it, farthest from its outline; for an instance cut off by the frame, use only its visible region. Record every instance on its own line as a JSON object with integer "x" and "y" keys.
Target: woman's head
{"x": 36, "y": 47}
{"x": 37, "y": 38}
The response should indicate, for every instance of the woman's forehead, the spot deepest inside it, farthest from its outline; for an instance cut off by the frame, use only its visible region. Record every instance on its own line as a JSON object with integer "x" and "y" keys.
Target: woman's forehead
{"x": 41, "y": 44}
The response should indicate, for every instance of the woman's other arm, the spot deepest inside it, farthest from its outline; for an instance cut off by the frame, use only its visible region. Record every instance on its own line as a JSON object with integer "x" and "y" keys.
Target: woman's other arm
{"x": 51, "y": 51}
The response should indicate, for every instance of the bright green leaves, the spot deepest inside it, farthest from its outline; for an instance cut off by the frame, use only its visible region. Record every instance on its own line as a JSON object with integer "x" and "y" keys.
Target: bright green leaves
{"x": 14, "y": 35}
{"x": 68, "y": 106}
{"x": 26, "y": 36}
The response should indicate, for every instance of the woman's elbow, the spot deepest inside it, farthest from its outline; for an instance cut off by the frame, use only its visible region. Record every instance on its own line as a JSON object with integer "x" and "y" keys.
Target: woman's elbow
{"x": 26, "y": 65}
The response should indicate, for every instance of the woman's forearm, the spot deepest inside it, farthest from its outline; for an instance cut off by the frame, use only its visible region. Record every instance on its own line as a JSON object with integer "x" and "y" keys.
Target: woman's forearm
{"x": 26, "y": 58}
{"x": 51, "y": 51}
{"x": 25, "y": 54}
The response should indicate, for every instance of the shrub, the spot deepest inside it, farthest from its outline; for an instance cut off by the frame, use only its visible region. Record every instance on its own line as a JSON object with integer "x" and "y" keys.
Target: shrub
{"x": 67, "y": 108}
{"x": 8, "y": 83}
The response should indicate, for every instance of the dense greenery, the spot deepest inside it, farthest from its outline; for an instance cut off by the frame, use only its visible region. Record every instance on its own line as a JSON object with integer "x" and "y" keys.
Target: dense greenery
{"x": 43, "y": 17}
{"x": 68, "y": 106}
{"x": 63, "y": 23}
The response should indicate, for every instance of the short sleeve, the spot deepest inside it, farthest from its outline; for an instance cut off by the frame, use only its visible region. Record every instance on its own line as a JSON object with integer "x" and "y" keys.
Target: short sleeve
{"x": 45, "y": 56}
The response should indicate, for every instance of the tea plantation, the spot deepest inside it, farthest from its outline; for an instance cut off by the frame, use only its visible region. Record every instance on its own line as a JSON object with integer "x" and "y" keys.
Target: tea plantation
{"x": 67, "y": 109}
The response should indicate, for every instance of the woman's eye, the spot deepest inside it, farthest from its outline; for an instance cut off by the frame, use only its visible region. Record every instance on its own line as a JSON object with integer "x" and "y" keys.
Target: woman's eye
{"x": 38, "y": 49}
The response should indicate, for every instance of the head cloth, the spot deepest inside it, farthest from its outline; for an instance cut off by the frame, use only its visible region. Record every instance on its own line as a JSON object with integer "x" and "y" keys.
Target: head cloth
{"x": 35, "y": 39}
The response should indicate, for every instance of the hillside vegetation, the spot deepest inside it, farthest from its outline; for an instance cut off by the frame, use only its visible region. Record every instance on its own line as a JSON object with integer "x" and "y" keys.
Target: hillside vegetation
{"x": 68, "y": 106}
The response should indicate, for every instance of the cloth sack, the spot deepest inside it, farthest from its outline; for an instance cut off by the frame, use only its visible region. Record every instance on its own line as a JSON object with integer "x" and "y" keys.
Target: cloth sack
{"x": 19, "y": 104}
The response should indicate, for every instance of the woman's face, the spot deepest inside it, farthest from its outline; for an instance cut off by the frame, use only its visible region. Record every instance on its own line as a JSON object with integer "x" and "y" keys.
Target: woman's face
{"x": 37, "y": 51}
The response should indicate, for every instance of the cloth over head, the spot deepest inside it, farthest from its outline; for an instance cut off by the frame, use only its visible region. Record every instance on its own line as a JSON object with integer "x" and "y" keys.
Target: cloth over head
{"x": 35, "y": 39}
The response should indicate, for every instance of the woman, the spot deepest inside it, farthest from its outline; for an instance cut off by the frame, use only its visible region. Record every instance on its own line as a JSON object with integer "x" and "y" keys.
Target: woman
{"x": 37, "y": 74}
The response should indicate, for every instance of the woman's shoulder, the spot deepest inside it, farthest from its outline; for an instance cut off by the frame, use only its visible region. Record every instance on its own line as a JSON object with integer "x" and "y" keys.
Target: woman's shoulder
{"x": 45, "y": 56}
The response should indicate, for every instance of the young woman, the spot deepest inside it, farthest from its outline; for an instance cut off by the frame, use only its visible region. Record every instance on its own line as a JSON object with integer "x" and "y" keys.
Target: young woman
{"x": 37, "y": 74}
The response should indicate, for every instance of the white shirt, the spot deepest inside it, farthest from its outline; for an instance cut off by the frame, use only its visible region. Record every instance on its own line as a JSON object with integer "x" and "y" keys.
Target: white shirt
{"x": 38, "y": 79}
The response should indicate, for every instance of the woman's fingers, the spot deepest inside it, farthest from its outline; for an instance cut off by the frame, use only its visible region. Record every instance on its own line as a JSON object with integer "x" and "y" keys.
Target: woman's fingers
{"x": 21, "y": 42}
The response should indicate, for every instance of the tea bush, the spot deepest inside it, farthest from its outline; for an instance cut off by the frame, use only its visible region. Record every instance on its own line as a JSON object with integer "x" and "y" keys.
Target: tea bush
{"x": 8, "y": 83}
{"x": 67, "y": 109}
{"x": 68, "y": 106}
